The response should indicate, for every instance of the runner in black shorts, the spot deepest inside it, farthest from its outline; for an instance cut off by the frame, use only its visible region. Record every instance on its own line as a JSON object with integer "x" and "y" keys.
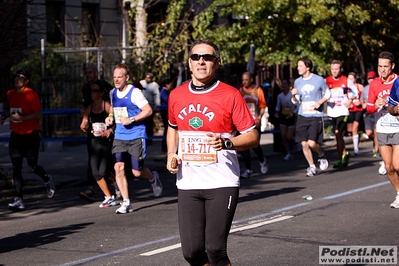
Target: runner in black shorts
{"x": 310, "y": 92}
{"x": 285, "y": 112}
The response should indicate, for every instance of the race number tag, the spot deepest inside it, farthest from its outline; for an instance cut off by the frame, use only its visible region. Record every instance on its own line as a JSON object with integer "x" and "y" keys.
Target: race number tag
{"x": 119, "y": 112}
{"x": 308, "y": 107}
{"x": 388, "y": 120}
{"x": 252, "y": 109}
{"x": 194, "y": 148}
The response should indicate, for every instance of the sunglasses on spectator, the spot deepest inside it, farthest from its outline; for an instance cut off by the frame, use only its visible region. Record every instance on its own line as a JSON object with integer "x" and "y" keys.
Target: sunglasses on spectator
{"x": 95, "y": 90}
{"x": 19, "y": 77}
{"x": 370, "y": 78}
{"x": 206, "y": 57}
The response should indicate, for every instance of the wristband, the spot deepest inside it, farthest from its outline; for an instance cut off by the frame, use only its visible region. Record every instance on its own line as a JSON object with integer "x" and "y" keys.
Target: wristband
{"x": 110, "y": 114}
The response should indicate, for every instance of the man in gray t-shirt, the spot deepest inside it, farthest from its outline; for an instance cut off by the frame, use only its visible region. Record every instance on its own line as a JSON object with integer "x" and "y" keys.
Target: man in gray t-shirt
{"x": 152, "y": 94}
{"x": 311, "y": 92}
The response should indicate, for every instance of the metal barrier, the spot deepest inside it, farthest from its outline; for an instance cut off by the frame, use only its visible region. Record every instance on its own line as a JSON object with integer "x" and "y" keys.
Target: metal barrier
{"x": 82, "y": 139}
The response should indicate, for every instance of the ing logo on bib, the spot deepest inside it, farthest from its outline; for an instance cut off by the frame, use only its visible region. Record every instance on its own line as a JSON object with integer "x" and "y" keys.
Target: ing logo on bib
{"x": 196, "y": 122}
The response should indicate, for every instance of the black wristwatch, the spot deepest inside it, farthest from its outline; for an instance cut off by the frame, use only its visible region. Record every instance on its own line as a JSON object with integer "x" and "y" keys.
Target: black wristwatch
{"x": 228, "y": 144}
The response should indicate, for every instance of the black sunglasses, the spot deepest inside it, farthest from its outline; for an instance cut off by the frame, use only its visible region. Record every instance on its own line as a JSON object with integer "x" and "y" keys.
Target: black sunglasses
{"x": 95, "y": 90}
{"x": 19, "y": 76}
{"x": 207, "y": 57}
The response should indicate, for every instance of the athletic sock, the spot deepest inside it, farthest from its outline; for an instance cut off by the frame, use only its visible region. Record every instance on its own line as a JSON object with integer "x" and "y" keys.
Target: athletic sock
{"x": 355, "y": 139}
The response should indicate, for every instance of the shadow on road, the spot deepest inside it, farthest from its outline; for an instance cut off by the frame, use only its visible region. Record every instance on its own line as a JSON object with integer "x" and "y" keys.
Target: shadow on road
{"x": 39, "y": 237}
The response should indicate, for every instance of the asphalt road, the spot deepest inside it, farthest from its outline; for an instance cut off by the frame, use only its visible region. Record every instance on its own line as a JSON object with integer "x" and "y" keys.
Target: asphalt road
{"x": 273, "y": 224}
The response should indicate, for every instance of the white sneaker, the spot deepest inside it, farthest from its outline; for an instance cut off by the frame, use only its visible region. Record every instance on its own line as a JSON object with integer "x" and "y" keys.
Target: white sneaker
{"x": 382, "y": 170}
{"x": 50, "y": 187}
{"x": 156, "y": 185}
{"x": 395, "y": 203}
{"x": 247, "y": 174}
{"x": 17, "y": 205}
{"x": 263, "y": 166}
{"x": 108, "y": 202}
{"x": 124, "y": 208}
{"x": 323, "y": 163}
{"x": 288, "y": 157}
{"x": 311, "y": 171}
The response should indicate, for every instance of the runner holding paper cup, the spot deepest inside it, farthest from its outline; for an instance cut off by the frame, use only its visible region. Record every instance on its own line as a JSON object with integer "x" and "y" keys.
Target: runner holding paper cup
{"x": 98, "y": 129}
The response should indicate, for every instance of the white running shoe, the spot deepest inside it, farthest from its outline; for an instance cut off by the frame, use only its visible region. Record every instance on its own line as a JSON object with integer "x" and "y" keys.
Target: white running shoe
{"x": 323, "y": 163}
{"x": 263, "y": 166}
{"x": 395, "y": 203}
{"x": 124, "y": 208}
{"x": 50, "y": 187}
{"x": 288, "y": 157}
{"x": 17, "y": 205}
{"x": 108, "y": 202}
{"x": 311, "y": 171}
{"x": 247, "y": 173}
{"x": 156, "y": 184}
{"x": 382, "y": 170}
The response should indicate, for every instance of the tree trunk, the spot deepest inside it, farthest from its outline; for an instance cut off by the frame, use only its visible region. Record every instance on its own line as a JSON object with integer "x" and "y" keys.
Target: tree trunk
{"x": 141, "y": 31}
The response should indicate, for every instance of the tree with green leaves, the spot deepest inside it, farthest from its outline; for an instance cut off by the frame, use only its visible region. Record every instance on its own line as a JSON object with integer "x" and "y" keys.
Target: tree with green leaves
{"x": 282, "y": 30}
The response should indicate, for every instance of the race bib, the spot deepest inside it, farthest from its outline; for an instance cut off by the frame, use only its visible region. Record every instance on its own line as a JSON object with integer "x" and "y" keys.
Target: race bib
{"x": 252, "y": 109}
{"x": 194, "y": 148}
{"x": 119, "y": 112}
{"x": 388, "y": 120}
{"x": 308, "y": 107}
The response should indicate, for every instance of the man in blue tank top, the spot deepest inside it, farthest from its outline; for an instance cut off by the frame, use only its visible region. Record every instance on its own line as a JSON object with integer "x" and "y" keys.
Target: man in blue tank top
{"x": 130, "y": 109}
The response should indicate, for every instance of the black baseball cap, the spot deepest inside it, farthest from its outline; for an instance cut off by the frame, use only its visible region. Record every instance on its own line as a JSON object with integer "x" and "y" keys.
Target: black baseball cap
{"x": 23, "y": 72}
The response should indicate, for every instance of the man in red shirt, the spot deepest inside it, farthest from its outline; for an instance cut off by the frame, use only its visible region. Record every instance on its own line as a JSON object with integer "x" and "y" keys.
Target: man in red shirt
{"x": 204, "y": 115}
{"x": 342, "y": 93}
{"x": 355, "y": 114}
{"x": 24, "y": 113}
{"x": 256, "y": 103}
{"x": 386, "y": 124}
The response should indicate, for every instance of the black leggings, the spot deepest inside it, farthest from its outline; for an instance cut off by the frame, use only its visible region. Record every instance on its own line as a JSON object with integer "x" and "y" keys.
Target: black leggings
{"x": 101, "y": 160}
{"x": 20, "y": 146}
{"x": 205, "y": 218}
{"x": 258, "y": 151}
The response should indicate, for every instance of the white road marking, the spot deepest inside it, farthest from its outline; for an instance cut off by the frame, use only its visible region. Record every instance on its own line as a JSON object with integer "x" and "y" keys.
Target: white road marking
{"x": 160, "y": 250}
{"x": 237, "y": 229}
{"x": 257, "y": 217}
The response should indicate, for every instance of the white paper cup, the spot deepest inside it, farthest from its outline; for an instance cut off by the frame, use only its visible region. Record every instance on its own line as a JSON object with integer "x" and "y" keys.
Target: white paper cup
{"x": 98, "y": 128}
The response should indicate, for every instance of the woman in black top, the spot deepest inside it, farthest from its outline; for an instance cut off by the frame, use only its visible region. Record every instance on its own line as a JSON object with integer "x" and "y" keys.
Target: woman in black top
{"x": 99, "y": 140}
